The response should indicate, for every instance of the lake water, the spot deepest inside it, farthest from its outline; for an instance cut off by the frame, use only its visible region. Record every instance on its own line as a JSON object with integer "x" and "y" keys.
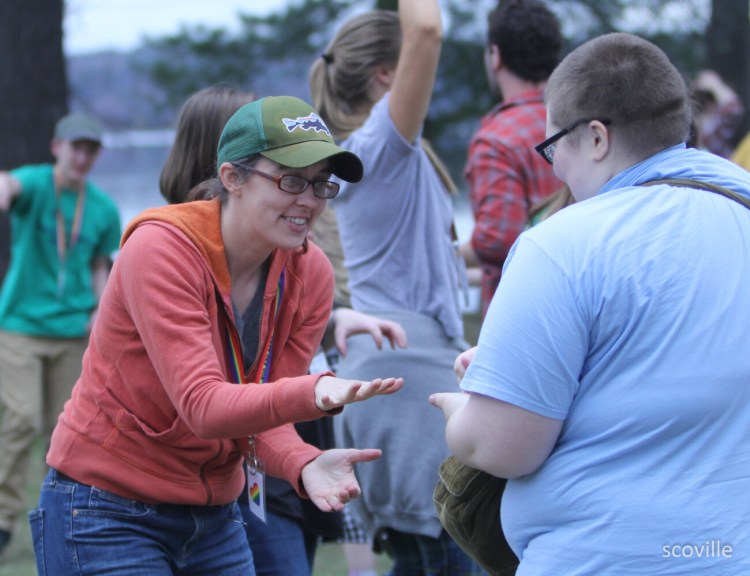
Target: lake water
{"x": 130, "y": 175}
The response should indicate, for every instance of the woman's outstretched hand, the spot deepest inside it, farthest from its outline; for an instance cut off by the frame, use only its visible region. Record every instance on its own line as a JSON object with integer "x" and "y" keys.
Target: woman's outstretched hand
{"x": 332, "y": 392}
{"x": 349, "y": 322}
{"x": 329, "y": 479}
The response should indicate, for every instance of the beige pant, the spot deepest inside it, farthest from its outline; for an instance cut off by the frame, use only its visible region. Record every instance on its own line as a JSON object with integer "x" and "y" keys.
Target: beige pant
{"x": 36, "y": 377}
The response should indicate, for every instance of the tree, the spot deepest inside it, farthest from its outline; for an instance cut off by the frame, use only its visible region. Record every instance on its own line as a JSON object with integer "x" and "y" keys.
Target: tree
{"x": 33, "y": 86}
{"x": 728, "y": 40}
{"x": 268, "y": 52}
{"x": 272, "y": 54}
{"x": 676, "y": 26}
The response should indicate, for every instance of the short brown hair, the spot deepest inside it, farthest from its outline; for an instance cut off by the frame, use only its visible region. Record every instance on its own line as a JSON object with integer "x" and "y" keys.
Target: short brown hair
{"x": 629, "y": 81}
{"x": 527, "y": 33}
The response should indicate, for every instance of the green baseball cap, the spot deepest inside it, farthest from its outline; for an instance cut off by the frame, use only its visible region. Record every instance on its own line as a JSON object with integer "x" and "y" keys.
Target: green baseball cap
{"x": 77, "y": 126}
{"x": 288, "y": 131}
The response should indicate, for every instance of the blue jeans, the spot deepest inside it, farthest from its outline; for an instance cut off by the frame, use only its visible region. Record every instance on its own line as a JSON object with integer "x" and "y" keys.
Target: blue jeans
{"x": 81, "y": 530}
{"x": 280, "y": 547}
{"x": 416, "y": 555}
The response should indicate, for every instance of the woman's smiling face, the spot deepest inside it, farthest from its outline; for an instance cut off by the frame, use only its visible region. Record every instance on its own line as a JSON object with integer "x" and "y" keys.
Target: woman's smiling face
{"x": 275, "y": 218}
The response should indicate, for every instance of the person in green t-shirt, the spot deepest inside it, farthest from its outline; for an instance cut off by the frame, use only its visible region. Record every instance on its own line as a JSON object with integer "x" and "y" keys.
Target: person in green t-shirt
{"x": 64, "y": 230}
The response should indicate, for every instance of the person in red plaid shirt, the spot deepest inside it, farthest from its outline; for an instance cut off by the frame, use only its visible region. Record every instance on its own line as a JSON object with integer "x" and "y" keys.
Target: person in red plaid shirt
{"x": 505, "y": 176}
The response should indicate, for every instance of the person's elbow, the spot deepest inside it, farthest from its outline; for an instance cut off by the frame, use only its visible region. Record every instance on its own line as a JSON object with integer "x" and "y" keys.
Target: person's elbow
{"x": 432, "y": 33}
{"x": 500, "y": 438}
{"x": 495, "y": 462}
{"x": 425, "y": 34}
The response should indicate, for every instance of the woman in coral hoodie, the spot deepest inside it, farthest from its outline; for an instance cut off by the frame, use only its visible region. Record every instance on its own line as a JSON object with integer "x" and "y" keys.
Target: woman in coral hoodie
{"x": 146, "y": 459}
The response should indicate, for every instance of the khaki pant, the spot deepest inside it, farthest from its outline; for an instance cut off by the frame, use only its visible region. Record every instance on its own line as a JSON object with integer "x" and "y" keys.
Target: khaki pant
{"x": 36, "y": 377}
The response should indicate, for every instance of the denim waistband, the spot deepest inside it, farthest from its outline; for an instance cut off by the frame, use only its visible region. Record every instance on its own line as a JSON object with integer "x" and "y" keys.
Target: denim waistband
{"x": 56, "y": 475}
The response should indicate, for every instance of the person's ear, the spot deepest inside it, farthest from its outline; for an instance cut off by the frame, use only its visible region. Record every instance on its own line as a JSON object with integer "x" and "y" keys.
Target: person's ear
{"x": 494, "y": 58}
{"x": 54, "y": 146}
{"x": 229, "y": 178}
{"x": 384, "y": 75}
{"x": 599, "y": 139}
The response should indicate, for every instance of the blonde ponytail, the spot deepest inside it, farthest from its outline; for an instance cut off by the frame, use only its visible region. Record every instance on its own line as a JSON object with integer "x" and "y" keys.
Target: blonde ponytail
{"x": 340, "y": 79}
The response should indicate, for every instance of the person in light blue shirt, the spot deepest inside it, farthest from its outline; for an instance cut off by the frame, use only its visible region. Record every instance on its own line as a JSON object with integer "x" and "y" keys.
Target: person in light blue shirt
{"x": 611, "y": 381}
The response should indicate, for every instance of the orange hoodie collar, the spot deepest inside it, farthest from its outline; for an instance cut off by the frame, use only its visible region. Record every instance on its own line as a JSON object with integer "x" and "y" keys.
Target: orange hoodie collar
{"x": 199, "y": 221}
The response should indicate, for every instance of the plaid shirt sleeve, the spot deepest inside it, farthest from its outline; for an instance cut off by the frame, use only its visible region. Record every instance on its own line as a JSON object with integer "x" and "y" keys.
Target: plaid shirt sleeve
{"x": 498, "y": 200}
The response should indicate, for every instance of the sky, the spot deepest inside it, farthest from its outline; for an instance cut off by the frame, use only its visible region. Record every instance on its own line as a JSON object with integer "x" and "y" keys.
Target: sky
{"x": 98, "y": 25}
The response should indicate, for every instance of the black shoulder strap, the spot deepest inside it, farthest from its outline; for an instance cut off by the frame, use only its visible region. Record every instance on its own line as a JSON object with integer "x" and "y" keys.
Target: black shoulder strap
{"x": 687, "y": 183}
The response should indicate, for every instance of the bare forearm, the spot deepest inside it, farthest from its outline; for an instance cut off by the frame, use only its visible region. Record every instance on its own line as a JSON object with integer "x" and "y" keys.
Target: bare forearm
{"x": 99, "y": 276}
{"x": 470, "y": 256}
{"x": 10, "y": 188}
{"x": 412, "y": 87}
{"x": 500, "y": 438}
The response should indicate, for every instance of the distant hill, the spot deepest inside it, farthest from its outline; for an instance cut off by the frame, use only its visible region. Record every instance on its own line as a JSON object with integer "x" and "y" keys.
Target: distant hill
{"x": 115, "y": 87}
{"x": 110, "y": 86}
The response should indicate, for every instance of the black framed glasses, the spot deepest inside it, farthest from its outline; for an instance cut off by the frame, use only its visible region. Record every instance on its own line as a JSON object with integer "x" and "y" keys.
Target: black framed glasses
{"x": 547, "y": 148}
{"x": 324, "y": 189}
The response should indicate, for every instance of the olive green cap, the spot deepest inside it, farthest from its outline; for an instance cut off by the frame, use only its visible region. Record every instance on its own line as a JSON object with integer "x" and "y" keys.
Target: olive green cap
{"x": 287, "y": 131}
{"x": 78, "y": 126}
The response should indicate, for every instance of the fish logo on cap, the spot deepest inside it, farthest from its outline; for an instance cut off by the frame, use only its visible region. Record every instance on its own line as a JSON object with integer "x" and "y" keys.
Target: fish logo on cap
{"x": 310, "y": 122}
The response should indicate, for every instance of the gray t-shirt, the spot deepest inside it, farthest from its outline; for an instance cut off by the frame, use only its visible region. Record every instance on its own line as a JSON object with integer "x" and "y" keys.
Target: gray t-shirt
{"x": 395, "y": 228}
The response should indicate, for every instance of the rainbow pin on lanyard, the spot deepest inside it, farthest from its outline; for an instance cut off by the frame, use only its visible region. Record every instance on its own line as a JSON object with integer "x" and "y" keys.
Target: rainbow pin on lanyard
{"x": 63, "y": 245}
{"x": 254, "y": 468}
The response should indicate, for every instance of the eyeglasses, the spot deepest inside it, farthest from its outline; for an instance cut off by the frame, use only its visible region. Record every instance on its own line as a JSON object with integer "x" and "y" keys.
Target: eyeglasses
{"x": 547, "y": 148}
{"x": 324, "y": 189}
